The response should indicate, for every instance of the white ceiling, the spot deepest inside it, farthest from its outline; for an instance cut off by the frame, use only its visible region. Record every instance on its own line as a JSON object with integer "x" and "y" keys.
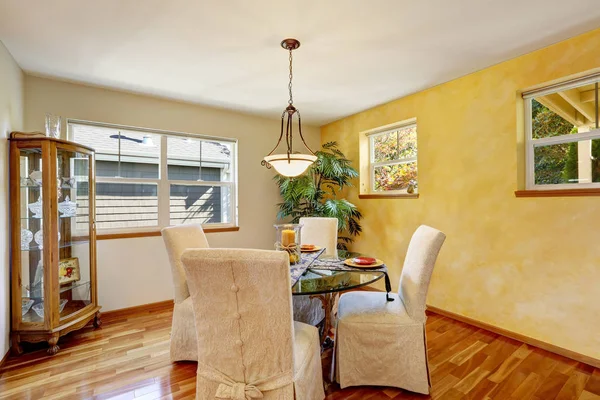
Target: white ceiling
{"x": 355, "y": 53}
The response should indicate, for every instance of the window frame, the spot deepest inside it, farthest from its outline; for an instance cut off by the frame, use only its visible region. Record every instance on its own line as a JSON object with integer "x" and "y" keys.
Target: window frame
{"x": 531, "y": 143}
{"x": 163, "y": 182}
{"x": 382, "y": 131}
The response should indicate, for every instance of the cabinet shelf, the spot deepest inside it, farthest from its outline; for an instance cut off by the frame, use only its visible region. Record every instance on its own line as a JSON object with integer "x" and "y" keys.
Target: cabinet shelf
{"x": 61, "y": 246}
{"x": 73, "y": 285}
{"x": 61, "y": 217}
{"x": 62, "y": 289}
{"x": 71, "y": 307}
{"x": 39, "y": 187}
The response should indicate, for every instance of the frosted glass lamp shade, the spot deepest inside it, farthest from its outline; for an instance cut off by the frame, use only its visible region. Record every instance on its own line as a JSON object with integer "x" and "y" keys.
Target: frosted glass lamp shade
{"x": 296, "y": 165}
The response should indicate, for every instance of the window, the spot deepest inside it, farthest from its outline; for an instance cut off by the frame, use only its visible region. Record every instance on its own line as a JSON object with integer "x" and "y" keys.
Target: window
{"x": 393, "y": 159}
{"x": 149, "y": 179}
{"x": 562, "y": 135}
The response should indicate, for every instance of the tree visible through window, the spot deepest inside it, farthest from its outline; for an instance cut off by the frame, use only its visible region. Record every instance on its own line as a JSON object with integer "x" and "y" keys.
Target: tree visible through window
{"x": 551, "y": 161}
{"x": 394, "y": 160}
{"x": 563, "y": 136}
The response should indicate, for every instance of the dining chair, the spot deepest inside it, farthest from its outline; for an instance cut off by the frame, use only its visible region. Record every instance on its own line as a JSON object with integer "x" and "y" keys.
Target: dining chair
{"x": 320, "y": 232}
{"x": 381, "y": 342}
{"x": 183, "y": 330}
{"x": 248, "y": 345}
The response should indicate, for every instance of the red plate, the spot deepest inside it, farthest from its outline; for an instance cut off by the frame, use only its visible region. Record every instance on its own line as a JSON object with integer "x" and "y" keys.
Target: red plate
{"x": 364, "y": 260}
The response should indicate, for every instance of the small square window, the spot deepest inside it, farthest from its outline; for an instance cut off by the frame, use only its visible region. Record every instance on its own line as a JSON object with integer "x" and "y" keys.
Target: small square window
{"x": 393, "y": 160}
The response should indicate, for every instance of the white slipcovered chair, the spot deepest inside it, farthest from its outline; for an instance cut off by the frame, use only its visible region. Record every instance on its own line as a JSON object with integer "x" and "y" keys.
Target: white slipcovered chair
{"x": 383, "y": 343}
{"x": 320, "y": 232}
{"x": 248, "y": 345}
{"x": 177, "y": 239}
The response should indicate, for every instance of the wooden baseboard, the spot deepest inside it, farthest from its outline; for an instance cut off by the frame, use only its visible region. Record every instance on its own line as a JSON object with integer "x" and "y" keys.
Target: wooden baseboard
{"x": 521, "y": 338}
{"x": 137, "y": 310}
{"x": 5, "y": 358}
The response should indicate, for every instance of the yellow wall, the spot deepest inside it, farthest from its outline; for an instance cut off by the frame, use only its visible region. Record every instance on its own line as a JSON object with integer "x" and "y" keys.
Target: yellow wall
{"x": 529, "y": 265}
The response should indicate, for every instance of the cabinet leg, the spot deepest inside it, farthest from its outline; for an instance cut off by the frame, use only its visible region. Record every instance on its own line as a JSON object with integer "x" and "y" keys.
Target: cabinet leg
{"x": 52, "y": 345}
{"x": 16, "y": 347}
{"x": 97, "y": 320}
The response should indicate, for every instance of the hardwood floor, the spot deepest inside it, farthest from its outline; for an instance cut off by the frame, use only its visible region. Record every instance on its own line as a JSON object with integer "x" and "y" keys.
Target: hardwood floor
{"x": 128, "y": 358}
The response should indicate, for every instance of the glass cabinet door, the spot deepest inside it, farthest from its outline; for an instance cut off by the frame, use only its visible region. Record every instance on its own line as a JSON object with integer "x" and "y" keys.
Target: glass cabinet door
{"x": 74, "y": 269}
{"x": 32, "y": 235}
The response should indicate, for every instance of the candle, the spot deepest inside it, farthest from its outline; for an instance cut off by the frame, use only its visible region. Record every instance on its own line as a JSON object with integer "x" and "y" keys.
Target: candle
{"x": 288, "y": 236}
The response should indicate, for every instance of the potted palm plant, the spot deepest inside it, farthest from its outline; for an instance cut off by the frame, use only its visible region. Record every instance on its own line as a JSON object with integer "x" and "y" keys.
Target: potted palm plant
{"x": 315, "y": 193}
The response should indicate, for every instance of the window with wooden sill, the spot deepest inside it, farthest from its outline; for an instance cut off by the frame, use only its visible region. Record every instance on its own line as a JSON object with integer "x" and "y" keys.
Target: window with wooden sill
{"x": 392, "y": 162}
{"x": 148, "y": 179}
{"x": 562, "y": 140}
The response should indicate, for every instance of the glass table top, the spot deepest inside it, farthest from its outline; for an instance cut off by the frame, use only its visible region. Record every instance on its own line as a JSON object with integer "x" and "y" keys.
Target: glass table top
{"x": 318, "y": 281}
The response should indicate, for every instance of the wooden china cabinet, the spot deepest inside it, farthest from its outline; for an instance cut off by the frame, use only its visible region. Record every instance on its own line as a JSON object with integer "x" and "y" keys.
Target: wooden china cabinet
{"x": 53, "y": 239}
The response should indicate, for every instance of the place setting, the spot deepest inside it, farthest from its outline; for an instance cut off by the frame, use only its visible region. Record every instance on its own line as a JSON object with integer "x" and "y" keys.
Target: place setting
{"x": 363, "y": 262}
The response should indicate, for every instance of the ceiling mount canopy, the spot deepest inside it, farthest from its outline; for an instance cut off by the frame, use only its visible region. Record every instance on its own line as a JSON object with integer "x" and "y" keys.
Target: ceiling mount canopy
{"x": 290, "y": 163}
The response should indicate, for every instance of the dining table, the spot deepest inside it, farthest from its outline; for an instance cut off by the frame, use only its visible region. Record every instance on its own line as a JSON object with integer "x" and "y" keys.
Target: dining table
{"x": 324, "y": 277}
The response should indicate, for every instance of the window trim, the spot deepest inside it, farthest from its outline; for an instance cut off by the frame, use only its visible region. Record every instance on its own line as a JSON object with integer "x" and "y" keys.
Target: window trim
{"x": 163, "y": 183}
{"x": 531, "y": 143}
{"x": 560, "y": 86}
{"x": 381, "y": 131}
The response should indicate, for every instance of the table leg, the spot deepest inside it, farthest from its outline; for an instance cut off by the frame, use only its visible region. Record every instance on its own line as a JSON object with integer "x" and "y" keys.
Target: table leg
{"x": 328, "y": 302}
{"x": 388, "y": 288}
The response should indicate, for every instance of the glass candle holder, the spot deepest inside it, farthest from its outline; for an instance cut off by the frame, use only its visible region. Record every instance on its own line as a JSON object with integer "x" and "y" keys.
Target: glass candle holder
{"x": 287, "y": 238}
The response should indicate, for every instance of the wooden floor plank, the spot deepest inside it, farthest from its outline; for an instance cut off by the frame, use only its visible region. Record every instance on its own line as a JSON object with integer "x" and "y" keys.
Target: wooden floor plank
{"x": 593, "y": 384}
{"x": 585, "y": 395}
{"x": 574, "y": 386}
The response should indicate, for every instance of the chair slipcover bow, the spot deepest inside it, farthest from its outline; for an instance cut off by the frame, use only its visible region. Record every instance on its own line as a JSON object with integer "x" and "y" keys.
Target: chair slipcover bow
{"x": 232, "y": 390}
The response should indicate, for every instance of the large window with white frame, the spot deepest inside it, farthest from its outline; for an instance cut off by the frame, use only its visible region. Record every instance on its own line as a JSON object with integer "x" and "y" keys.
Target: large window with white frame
{"x": 563, "y": 135}
{"x": 393, "y": 159}
{"x": 148, "y": 179}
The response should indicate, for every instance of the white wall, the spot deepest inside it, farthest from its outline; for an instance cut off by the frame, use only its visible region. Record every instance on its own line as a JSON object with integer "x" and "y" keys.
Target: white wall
{"x": 135, "y": 271}
{"x": 11, "y": 119}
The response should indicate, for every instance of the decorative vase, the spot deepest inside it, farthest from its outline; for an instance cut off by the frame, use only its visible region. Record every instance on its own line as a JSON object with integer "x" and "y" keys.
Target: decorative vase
{"x": 68, "y": 182}
{"x": 26, "y": 304}
{"x": 36, "y": 177}
{"x": 68, "y": 208}
{"x": 287, "y": 238}
{"x": 39, "y": 238}
{"x": 26, "y": 238}
{"x": 36, "y": 208}
{"x": 53, "y": 126}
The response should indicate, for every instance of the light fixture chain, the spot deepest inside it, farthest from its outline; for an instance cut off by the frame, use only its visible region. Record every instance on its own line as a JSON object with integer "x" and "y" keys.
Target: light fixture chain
{"x": 290, "y": 164}
{"x": 291, "y": 100}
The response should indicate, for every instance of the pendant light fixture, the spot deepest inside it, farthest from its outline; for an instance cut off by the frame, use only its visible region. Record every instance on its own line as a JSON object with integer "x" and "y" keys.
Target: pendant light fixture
{"x": 290, "y": 164}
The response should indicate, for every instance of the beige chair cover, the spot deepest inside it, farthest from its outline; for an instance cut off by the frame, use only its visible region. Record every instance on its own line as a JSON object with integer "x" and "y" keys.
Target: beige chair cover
{"x": 183, "y": 330}
{"x": 248, "y": 346}
{"x": 383, "y": 343}
{"x": 320, "y": 232}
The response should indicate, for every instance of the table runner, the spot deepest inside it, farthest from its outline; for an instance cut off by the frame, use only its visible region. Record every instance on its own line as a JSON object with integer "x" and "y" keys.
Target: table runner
{"x": 306, "y": 260}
